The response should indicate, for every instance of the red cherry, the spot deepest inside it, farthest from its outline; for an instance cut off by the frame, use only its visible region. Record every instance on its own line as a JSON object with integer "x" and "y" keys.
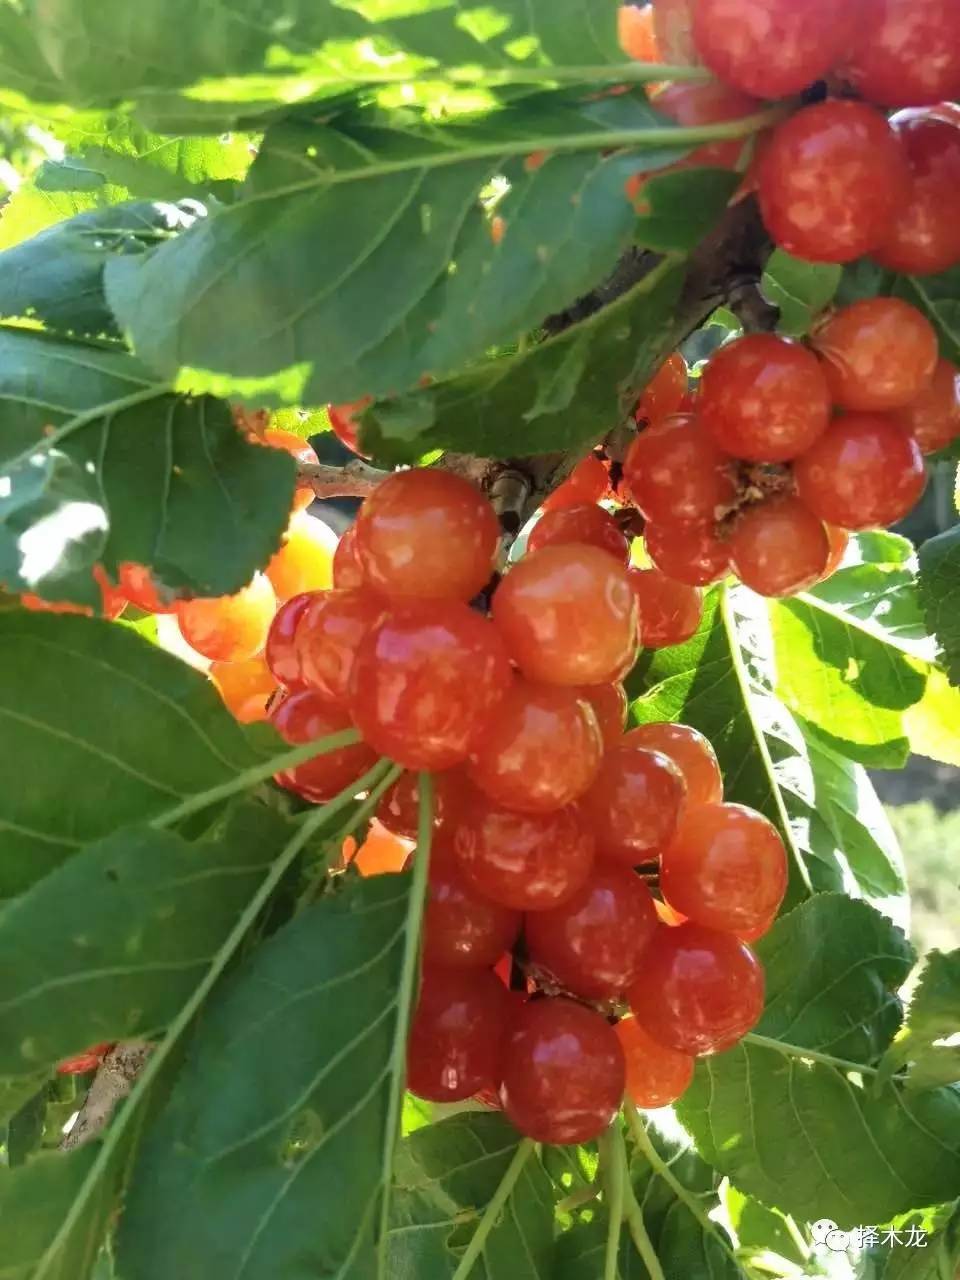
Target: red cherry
{"x": 877, "y": 354}
{"x": 457, "y": 1034}
{"x": 771, "y": 48}
{"x": 866, "y": 472}
{"x": 907, "y": 53}
{"x": 530, "y": 862}
{"x": 635, "y": 33}
{"x": 347, "y": 569}
{"x": 687, "y": 552}
{"x": 539, "y": 750}
{"x": 690, "y": 751}
{"x": 460, "y": 928}
{"x": 563, "y": 1072}
{"x": 839, "y": 540}
{"x": 229, "y": 628}
{"x": 586, "y": 524}
{"x": 301, "y": 452}
{"x": 139, "y": 586}
{"x": 700, "y": 991}
{"x": 691, "y": 105}
{"x": 427, "y": 534}
{"x": 303, "y": 717}
{"x": 726, "y": 867}
{"x": 925, "y": 236}
{"x": 380, "y": 854}
{"x": 673, "y": 27}
{"x": 280, "y": 651}
{"x": 831, "y": 179}
{"x": 425, "y": 681}
{"x": 587, "y": 482}
{"x": 669, "y": 611}
{"x": 779, "y": 546}
{"x": 656, "y": 1075}
{"x": 764, "y": 398}
{"x": 674, "y": 471}
{"x": 344, "y": 424}
{"x": 664, "y": 393}
{"x": 89, "y": 1060}
{"x": 568, "y": 616}
{"x": 635, "y": 804}
{"x": 399, "y": 807}
{"x": 245, "y": 687}
{"x": 933, "y": 418}
{"x": 592, "y": 944}
{"x": 328, "y": 636}
{"x": 610, "y": 705}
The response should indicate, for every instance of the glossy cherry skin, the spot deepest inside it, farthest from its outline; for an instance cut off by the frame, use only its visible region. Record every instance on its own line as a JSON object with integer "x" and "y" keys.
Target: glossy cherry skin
{"x": 726, "y": 867}
{"x": 382, "y": 853}
{"x": 399, "y": 807}
{"x": 674, "y": 471}
{"x": 427, "y": 534}
{"x": 302, "y": 717}
{"x": 305, "y": 559}
{"x": 539, "y": 750}
{"x": 866, "y": 472}
{"x": 141, "y": 589}
{"x": 229, "y": 628}
{"x": 664, "y": 393}
{"x": 591, "y": 945}
{"x": 830, "y": 181}
{"x": 690, "y": 751}
{"x": 700, "y": 990}
{"x": 328, "y": 636}
{"x": 301, "y": 451}
{"x": 687, "y": 552}
{"x": 568, "y": 616}
{"x": 587, "y": 482}
{"x": 344, "y": 424}
{"x": 764, "y": 398}
{"x": 245, "y": 687}
{"x": 457, "y": 1034}
{"x": 669, "y": 612}
{"x": 586, "y": 523}
{"x": 771, "y": 48}
{"x": 635, "y": 33}
{"x": 563, "y": 1072}
{"x": 347, "y": 569}
{"x": 425, "y": 681}
{"x": 461, "y": 928}
{"x": 635, "y": 804}
{"x": 779, "y": 547}
{"x": 710, "y": 103}
{"x": 610, "y": 706}
{"x": 656, "y": 1075}
{"x": 924, "y": 238}
{"x": 908, "y": 53}
{"x": 933, "y": 418}
{"x": 530, "y": 862}
{"x": 280, "y": 650}
{"x": 877, "y": 354}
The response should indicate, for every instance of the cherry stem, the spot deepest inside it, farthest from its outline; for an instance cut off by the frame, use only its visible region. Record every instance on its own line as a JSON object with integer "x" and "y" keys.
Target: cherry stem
{"x": 615, "y": 1175}
{"x": 798, "y": 1051}
{"x": 491, "y": 1214}
{"x": 634, "y": 1218}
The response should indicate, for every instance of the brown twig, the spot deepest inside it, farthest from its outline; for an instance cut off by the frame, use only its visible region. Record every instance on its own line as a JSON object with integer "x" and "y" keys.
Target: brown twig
{"x": 355, "y": 479}
{"x": 113, "y": 1081}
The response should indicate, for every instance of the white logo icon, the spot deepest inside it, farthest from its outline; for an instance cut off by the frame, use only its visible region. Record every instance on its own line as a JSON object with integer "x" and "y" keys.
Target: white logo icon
{"x": 825, "y": 1231}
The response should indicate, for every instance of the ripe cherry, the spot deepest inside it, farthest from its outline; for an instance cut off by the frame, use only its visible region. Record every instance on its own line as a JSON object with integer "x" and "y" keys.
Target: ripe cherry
{"x": 456, "y": 1039}
{"x": 591, "y": 945}
{"x": 865, "y": 472}
{"x": 674, "y": 471}
{"x": 567, "y": 615}
{"x": 245, "y": 687}
{"x": 779, "y": 547}
{"x": 539, "y": 750}
{"x": 301, "y": 452}
{"x": 690, "y": 751}
{"x": 831, "y": 179}
{"x": 140, "y": 587}
{"x": 764, "y": 398}
{"x": 399, "y": 807}
{"x": 877, "y": 354}
{"x": 425, "y": 681}
{"x": 344, "y": 423}
{"x": 609, "y": 702}
{"x": 691, "y": 105}
{"x": 635, "y": 33}
{"x": 908, "y": 53}
{"x": 347, "y": 569}
{"x": 635, "y": 804}
{"x": 563, "y": 1072}
{"x": 587, "y": 482}
{"x": 280, "y": 651}
{"x": 669, "y": 612}
{"x": 687, "y": 551}
{"x": 664, "y": 393}
{"x": 673, "y": 27}
{"x": 89, "y": 1060}
{"x": 427, "y": 534}
{"x": 656, "y": 1075}
{"x": 925, "y": 235}
{"x": 700, "y": 990}
{"x": 229, "y": 628}
{"x": 726, "y": 867}
{"x": 933, "y": 418}
{"x": 328, "y": 636}
{"x": 586, "y": 524}
{"x": 381, "y": 853}
{"x": 303, "y": 717}
{"x": 305, "y": 559}
{"x": 461, "y": 928}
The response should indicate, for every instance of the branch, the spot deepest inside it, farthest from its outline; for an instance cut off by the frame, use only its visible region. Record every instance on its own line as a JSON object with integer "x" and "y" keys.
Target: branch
{"x": 355, "y": 479}
{"x": 113, "y": 1081}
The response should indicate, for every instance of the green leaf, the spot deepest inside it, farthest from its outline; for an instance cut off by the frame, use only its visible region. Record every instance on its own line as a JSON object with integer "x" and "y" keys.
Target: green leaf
{"x": 902, "y": 1256}
{"x": 679, "y": 208}
{"x": 760, "y": 1230}
{"x": 940, "y": 594}
{"x": 34, "y": 1201}
{"x": 25, "y": 1126}
{"x": 932, "y": 1019}
{"x": 800, "y": 289}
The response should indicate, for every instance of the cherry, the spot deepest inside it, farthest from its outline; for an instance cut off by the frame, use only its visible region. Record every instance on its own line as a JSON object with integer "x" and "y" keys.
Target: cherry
{"x": 591, "y": 945}
{"x": 908, "y": 52}
{"x": 563, "y": 1072}
{"x": 587, "y": 482}
{"x": 530, "y": 862}
{"x": 674, "y": 471}
{"x": 347, "y": 569}
{"x": 456, "y": 1037}
{"x": 425, "y": 681}
{"x": 89, "y": 1060}
{"x": 691, "y": 105}
{"x": 635, "y": 804}
{"x": 140, "y": 587}
{"x": 831, "y": 179}
{"x": 866, "y": 472}
{"x": 667, "y": 915}
{"x": 687, "y": 552}
{"x": 567, "y": 615}
{"x": 656, "y": 1075}
{"x": 673, "y": 27}
{"x": 839, "y": 540}
{"x": 301, "y": 451}
{"x": 305, "y": 559}
{"x": 303, "y": 717}
{"x": 280, "y": 651}
{"x": 539, "y": 750}
{"x": 779, "y": 546}
{"x": 664, "y": 393}
{"x": 229, "y": 628}
{"x": 399, "y": 807}
{"x": 635, "y": 33}
{"x": 690, "y": 751}
{"x": 771, "y": 48}
{"x": 245, "y": 687}
{"x": 700, "y": 990}
{"x": 328, "y": 635}
{"x": 586, "y": 524}
{"x": 925, "y": 236}
{"x": 933, "y": 418}
{"x": 669, "y": 611}
{"x": 609, "y": 702}
{"x": 764, "y": 398}
{"x": 344, "y": 424}
{"x": 877, "y": 354}
{"x": 726, "y": 867}
{"x": 461, "y": 928}
{"x": 427, "y": 534}
{"x": 380, "y": 854}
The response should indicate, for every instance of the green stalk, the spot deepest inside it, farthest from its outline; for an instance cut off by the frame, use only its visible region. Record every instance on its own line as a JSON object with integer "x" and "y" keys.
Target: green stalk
{"x": 614, "y": 1168}
{"x": 494, "y": 1209}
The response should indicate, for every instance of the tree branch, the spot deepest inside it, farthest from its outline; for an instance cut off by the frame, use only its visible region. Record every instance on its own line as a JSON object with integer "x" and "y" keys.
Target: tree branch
{"x": 355, "y": 479}
{"x": 113, "y": 1081}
